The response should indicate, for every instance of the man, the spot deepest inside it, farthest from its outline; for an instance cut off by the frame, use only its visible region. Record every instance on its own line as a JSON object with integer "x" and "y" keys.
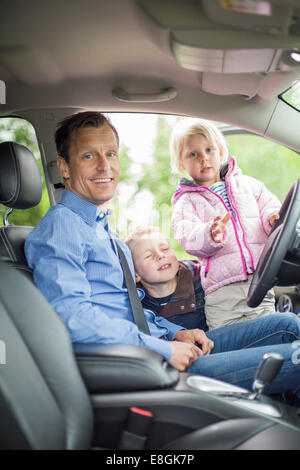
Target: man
{"x": 76, "y": 266}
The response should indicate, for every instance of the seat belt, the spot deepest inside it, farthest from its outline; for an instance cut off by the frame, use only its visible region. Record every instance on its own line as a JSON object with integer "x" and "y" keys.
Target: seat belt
{"x": 136, "y": 304}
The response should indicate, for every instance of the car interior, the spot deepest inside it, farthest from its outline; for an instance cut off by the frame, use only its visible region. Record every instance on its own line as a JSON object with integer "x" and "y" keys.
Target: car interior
{"x": 230, "y": 62}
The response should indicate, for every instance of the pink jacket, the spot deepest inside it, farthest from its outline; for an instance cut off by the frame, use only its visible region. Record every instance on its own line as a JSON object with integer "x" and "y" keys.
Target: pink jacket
{"x": 195, "y": 207}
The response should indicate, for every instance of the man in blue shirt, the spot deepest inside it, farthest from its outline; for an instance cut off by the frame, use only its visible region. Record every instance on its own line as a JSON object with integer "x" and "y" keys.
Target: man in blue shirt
{"x": 77, "y": 268}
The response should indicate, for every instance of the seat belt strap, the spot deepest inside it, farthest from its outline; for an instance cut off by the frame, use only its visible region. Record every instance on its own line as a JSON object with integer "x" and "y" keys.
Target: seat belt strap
{"x": 136, "y": 304}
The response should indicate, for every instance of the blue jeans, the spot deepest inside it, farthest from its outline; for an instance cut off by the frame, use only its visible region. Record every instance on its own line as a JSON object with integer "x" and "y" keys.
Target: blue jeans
{"x": 240, "y": 347}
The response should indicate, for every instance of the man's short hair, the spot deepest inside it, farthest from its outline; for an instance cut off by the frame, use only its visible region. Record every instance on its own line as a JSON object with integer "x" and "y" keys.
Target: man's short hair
{"x": 192, "y": 126}
{"x": 70, "y": 124}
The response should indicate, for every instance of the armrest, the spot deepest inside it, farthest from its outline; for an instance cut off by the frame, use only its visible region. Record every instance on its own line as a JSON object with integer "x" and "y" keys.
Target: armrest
{"x": 119, "y": 368}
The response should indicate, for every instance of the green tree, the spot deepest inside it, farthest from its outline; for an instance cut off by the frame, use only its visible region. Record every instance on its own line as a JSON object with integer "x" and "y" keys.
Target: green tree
{"x": 157, "y": 176}
{"x": 22, "y": 132}
{"x": 125, "y": 165}
{"x": 275, "y": 165}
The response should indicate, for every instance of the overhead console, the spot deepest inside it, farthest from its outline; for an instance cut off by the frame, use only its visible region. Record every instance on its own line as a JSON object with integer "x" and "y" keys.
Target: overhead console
{"x": 258, "y": 37}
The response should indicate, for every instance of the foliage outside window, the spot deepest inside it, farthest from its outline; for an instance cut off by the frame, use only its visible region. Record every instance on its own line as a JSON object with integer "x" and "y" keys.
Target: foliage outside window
{"x": 21, "y": 131}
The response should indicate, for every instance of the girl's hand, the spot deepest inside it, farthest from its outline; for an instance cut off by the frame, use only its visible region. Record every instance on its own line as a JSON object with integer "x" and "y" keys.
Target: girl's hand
{"x": 218, "y": 227}
{"x": 272, "y": 218}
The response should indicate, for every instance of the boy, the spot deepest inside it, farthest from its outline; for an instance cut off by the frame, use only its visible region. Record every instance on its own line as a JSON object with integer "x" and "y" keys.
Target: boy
{"x": 172, "y": 289}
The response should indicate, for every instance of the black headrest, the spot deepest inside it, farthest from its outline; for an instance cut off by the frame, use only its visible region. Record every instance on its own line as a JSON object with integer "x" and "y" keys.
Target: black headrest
{"x": 20, "y": 179}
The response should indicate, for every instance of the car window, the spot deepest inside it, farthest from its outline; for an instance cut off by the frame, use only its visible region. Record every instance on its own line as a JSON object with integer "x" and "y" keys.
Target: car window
{"x": 292, "y": 95}
{"x": 275, "y": 165}
{"x": 147, "y": 183}
{"x": 22, "y": 132}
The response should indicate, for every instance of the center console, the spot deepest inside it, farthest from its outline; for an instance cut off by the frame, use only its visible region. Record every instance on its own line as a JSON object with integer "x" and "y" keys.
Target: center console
{"x": 187, "y": 411}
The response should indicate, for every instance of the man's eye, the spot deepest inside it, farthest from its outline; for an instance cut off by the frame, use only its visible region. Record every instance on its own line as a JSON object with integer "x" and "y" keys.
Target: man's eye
{"x": 111, "y": 154}
{"x": 88, "y": 157}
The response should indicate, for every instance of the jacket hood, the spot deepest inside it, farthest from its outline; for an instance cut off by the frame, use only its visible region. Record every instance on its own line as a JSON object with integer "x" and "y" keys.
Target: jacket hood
{"x": 186, "y": 185}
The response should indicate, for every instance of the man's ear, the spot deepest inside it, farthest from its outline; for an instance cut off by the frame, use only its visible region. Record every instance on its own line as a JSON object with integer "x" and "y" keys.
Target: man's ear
{"x": 63, "y": 167}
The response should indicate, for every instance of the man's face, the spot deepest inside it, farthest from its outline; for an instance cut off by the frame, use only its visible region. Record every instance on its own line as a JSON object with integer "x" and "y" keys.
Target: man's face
{"x": 154, "y": 260}
{"x": 94, "y": 167}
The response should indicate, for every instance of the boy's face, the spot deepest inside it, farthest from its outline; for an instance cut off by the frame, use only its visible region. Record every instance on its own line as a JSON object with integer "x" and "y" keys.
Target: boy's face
{"x": 201, "y": 159}
{"x": 154, "y": 260}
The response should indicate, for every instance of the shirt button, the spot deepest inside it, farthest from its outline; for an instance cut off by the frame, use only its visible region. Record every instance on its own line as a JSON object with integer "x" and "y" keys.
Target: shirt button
{"x": 182, "y": 307}
{"x": 192, "y": 305}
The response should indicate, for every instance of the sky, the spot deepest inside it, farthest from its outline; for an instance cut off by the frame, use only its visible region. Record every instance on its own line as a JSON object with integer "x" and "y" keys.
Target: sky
{"x": 137, "y": 132}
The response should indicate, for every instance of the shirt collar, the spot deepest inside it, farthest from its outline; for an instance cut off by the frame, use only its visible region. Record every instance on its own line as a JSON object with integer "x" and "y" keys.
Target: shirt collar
{"x": 88, "y": 211}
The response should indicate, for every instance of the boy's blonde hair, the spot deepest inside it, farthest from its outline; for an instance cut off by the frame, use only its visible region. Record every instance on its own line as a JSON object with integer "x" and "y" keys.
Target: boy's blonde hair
{"x": 140, "y": 232}
{"x": 191, "y": 126}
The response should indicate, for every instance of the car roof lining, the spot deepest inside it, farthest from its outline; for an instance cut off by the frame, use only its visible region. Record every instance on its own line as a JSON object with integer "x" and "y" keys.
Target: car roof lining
{"x": 64, "y": 56}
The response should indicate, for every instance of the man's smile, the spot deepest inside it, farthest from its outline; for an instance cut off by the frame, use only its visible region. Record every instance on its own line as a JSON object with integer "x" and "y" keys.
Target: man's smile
{"x": 101, "y": 180}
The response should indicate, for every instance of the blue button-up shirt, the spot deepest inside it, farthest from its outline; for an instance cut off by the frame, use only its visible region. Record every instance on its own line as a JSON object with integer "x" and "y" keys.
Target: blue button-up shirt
{"x": 78, "y": 270}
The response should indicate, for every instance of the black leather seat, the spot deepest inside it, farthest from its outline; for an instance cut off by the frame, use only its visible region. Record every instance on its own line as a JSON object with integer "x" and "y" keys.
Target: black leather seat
{"x": 20, "y": 188}
{"x": 43, "y": 401}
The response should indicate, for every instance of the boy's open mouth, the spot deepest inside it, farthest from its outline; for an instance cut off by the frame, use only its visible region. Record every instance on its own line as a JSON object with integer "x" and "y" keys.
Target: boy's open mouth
{"x": 164, "y": 266}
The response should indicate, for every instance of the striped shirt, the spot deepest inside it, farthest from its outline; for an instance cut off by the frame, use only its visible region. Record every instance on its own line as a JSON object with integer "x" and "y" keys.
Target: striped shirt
{"x": 220, "y": 189}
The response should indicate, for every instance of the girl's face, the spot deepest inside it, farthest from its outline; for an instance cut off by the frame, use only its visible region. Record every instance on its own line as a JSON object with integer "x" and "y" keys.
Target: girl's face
{"x": 201, "y": 159}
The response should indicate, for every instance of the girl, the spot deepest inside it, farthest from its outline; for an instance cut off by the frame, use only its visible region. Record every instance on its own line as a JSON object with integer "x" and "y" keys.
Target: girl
{"x": 223, "y": 218}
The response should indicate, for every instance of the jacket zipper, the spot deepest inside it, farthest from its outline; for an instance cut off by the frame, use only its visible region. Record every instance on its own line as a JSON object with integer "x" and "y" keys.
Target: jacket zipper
{"x": 207, "y": 267}
{"x": 242, "y": 227}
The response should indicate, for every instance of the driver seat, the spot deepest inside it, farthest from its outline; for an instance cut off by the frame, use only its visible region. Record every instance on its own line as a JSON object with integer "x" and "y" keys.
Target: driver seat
{"x": 20, "y": 188}
{"x": 43, "y": 401}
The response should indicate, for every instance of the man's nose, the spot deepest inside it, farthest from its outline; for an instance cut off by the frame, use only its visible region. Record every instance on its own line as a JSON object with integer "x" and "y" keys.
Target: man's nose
{"x": 102, "y": 162}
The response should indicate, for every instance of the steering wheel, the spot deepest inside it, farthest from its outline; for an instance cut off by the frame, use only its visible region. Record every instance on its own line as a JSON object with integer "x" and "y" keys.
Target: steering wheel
{"x": 277, "y": 261}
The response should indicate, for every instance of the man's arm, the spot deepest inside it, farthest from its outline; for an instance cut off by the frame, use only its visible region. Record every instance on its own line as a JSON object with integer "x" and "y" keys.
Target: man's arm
{"x": 173, "y": 328}
{"x": 59, "y": 273}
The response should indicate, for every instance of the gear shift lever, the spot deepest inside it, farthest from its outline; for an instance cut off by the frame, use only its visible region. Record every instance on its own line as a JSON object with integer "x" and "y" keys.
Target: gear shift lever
{"x": 266, "y": 373}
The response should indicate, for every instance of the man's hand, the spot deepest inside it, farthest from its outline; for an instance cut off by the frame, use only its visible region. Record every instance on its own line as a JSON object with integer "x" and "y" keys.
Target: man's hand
{"x": 272, "y": 218}
{"x": 218, "y": 227}
{"x": 183, "y": 354}
{"x": 194, "y": 337}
